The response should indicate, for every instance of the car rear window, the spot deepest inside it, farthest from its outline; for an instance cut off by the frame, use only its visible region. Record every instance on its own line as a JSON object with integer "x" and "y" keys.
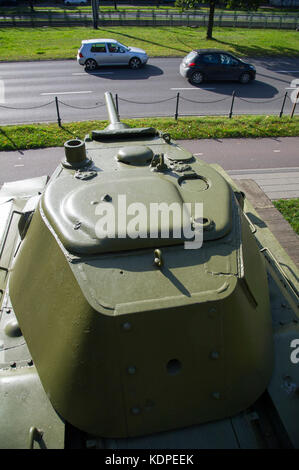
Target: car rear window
{"x": 191, "y": 56}
{"x": 98, "y": 48}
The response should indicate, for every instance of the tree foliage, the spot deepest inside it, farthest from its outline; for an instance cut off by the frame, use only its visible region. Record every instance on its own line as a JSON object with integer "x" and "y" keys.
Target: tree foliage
{"x": 243, "y": 4}
{"x": 233, "y": 4}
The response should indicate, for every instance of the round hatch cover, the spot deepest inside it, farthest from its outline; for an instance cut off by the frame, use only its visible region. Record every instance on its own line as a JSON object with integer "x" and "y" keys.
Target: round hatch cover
{"x": 193, "y": 183}
{"x": 135, "y": 155}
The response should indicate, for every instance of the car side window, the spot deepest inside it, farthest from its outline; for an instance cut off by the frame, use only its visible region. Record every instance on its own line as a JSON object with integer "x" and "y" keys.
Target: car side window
{"x": 227, "y": 60}
{"x": 98, "y": 48}
{"x": 210, "y": 59}
{"x": 112, "y": 47}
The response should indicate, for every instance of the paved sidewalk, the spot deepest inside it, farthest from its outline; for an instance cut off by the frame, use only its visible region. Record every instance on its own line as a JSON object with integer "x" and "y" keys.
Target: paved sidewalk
{"x": 277, "y": 183}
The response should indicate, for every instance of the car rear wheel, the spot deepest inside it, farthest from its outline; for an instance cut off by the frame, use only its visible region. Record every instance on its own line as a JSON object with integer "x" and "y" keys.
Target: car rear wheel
{"x": 196, "y": 78}
{"x": 135, "y": 63}
{"x": 90, "y": 65}
{"x": 245, "y": 78}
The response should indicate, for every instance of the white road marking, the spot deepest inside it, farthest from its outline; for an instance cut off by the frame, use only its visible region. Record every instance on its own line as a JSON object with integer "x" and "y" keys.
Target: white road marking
{"x": 19, "y": 165}
{"x": 66, "y": 92}
{"x": 2, "y": 91}
{"x": 192, "y": 89}
{"x": 94, "y": 73}
{"x": 276, "y": 151}
{"x": 286, "y": 71}
{"x": 198, "y": 154}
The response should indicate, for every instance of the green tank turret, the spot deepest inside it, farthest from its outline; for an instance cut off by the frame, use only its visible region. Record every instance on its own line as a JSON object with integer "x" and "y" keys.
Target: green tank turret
{"x": 136, "y": 301}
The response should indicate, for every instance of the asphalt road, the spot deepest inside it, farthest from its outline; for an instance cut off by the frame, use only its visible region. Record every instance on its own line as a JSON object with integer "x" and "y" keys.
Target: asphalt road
{"x": 28, "y": 90}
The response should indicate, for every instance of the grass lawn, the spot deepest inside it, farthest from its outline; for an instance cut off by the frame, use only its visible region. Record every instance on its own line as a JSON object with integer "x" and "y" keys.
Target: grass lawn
{"x": 51, "y": 135}
{"x": 289, "y": 208}
{"x": 63, "y": 43}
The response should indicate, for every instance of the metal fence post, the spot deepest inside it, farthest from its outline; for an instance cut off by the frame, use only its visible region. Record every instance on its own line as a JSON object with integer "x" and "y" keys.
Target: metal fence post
{"x": 294, "y": 105}
{"x": 283, "y": 103}
{"x": 57, "y": 109}
{"x": 232, "y": 104}
{"x": 116, "y": 103}
{"x": 177, "y": 107}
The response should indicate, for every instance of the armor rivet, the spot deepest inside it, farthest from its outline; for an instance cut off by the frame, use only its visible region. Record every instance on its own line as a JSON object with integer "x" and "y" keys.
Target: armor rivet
{"x": 131, "y": 370}
{"x": 216, "y": 395}
{"x": 127, "y": 326}
{"x": 135, "y": 410}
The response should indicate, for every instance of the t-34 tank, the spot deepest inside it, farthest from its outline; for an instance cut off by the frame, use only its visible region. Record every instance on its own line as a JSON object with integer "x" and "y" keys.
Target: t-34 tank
{"x": 129, "y": 318}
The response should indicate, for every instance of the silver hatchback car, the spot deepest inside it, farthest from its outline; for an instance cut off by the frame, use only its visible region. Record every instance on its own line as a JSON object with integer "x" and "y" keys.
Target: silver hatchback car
{"x": 98, "y": 52}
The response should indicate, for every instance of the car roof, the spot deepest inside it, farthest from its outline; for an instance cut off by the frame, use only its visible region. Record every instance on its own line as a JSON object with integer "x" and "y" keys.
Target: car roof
{"x": 92, "y": 41}
{"x": 204, "y": 51}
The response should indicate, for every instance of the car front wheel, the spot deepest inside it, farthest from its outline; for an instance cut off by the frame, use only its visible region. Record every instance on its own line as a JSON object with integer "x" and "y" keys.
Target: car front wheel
{"x": 196, "y": 78}
{"x": 135, "y": 63}
{"x": 245, "y": 78}
{"x": 90, "y": 65}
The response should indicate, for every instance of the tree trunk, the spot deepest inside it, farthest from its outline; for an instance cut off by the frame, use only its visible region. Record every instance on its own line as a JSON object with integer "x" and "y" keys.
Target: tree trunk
{"x": 94, "y": 6}
{"x": 211, "y": 20}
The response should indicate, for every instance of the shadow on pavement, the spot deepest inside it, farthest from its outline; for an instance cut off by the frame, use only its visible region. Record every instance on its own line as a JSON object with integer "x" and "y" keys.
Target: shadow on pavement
{"x": 125, "y": 73}
{"x": 252, "y": 90}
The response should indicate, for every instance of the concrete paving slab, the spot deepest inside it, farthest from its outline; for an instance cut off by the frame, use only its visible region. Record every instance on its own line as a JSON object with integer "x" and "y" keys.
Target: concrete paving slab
{"x": 277, "y": 183}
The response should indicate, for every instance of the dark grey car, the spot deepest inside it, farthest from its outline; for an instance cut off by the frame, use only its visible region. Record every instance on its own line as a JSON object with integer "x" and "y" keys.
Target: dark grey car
{"x": 213, "y": 64}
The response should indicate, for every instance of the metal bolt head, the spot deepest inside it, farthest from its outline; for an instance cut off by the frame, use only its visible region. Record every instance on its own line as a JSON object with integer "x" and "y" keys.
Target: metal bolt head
{"x": 135, "y": 410}
{"x": 216, "y": 395}
{"x": 106, "y": 197}
{"x": 127, "y": 326}
{"x": 77, "y": 225}
{"x": 131, "y": 370}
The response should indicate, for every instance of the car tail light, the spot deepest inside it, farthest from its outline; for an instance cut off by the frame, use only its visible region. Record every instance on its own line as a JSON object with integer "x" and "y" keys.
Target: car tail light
{"x": 191, "y": 64}
{"x": 81, "y": 55}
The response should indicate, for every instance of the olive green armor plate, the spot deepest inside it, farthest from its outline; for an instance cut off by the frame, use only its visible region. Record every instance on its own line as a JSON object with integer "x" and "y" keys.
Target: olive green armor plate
{"x": 134, "y": 336}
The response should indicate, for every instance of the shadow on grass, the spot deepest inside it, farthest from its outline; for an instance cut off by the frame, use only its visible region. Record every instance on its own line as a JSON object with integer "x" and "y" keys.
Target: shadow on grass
{"x": 11, "y": 141}
{"x": 258, "y": 51}
{"x": 140, "y": 38}
{"x": 75, "y": 136}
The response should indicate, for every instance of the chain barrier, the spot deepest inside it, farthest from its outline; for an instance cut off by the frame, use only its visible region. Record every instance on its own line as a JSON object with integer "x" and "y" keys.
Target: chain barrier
{"x": 31, "y": 107}
{"x": 151, "y": 102}
{"x": 81, "y": 107}
{"x": 260, "y": 102}
{"x": 178, "y": 97}
{"x": 214, "y": 101}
